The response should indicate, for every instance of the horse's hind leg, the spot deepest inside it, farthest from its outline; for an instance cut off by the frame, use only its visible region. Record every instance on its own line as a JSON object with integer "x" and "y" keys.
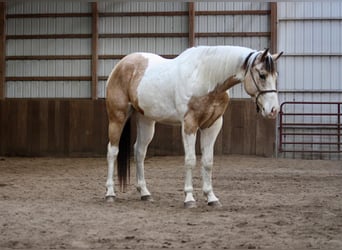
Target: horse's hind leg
{"x": 114, "y": 129}
{"x": 117, "y": 115}
{"x": 145, "y": 132}
{"x": 208, "y": 138}
{"x": 112, "y": 153}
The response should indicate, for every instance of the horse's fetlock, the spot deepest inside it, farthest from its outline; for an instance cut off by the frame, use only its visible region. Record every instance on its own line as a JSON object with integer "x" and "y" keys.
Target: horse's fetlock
{"x": 207, "y": 166}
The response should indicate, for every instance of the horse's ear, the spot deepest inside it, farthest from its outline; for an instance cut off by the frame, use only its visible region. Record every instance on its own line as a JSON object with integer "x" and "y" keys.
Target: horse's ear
{"x": 275, "y": 57}
{"x": 264, "y": 55}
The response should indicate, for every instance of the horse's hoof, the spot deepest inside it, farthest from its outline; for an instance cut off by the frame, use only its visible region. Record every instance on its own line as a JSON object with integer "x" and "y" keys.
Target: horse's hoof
{"x": 110, "y": 198}
{"x": 147, "y": 198}
{"x": 215, "y": 204}
{"x": 190, "y": 204}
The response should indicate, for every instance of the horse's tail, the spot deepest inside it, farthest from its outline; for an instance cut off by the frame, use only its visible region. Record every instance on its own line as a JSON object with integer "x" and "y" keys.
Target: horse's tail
{"x": 123, "y": 159}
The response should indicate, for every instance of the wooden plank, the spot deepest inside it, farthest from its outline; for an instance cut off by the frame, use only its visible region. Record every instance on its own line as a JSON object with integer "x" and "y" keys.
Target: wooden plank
{"x": 118, "y": 57}
{"x": 49, "y": 36}
{"x": 64, "y": 120}
{"x": 79, "y": 128}
{"x": 184, "y": 13}
{"x": 49, "y": 57}
{"x": 239, "y": 128}
{"x": 2, "y": 127}
{"x": 18, "y": 115}
{"x": 75, "y": 116}
{"x": 273, "y": 28}
{"x": 99, "y": 128}
{"x": 250, "y": 116}
{"x": 2, "y": 49}
{"x": 227, "y": 130}
{"x": 53, "y": 134}
{"x": 265, "y": 137}
{"x": 48, "y": 78}
{"x": 82, "y": 128}
{"x": 167, "y": 141}
{"x": 142, "y": 35}
{"x": 200, "y": 34}
{"x": 232, "y": 34}
{"x": 237, "y": 123}
{"x": 143, "y": 13}
{"x": 177, "y": 141}
{"x": 5, "y": 127}
{"x": 191, "y": 21}
{"x": 232, "y": 12}
{"x": 43, "y": 126}
{"x": 47, "y": 15}
{"x": 218, "y": 148}
{"x": 33, "y": 127}
{"x": 94, "y": 49}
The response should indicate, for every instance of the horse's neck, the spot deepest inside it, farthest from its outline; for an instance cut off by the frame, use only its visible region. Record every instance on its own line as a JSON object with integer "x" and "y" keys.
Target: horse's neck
{"x": 227, "y": 84}
{"x": 220, "y": 66}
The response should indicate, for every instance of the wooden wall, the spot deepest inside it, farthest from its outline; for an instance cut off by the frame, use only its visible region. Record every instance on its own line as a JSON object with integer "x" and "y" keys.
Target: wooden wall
{"x": 36, "y": 127}
{"x": 53, "y": 127}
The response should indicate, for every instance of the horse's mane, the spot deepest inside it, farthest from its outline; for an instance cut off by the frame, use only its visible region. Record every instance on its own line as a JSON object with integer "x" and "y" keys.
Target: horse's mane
{"x": 214, "y": 63}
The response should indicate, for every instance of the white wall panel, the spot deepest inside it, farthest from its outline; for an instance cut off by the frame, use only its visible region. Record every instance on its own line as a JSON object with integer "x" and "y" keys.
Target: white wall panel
{"x": 310, "y": 34}
{"x": 55, "y": 6}
{"x": 233, "y": 23}
{"x": 31, "y": 47}
{"x": 142, "y": 6}
{"x": 48, "y": 68}
{"x": 213, "y": 6}
{"x": 136, "y": 25}
{"x": 41, "y": 89}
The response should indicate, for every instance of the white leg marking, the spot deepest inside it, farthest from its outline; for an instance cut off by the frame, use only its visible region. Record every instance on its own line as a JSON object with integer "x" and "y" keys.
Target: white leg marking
{"x": 145, "y": 132}
{"x": 189, "y": 142}
{"x": 208, "y": 138}
{"x": 112, "y": 153}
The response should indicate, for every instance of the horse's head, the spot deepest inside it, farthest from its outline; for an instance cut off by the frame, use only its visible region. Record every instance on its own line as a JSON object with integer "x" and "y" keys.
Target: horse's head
{"x": 260, "y": 81}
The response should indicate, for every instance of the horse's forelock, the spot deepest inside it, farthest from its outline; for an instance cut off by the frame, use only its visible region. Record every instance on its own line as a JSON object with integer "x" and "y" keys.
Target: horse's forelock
{"x": 269, "y": 64}
{"x": 252, "y": 57}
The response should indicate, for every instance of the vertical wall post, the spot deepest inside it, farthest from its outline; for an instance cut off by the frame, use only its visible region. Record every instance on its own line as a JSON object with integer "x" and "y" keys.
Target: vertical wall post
{"x": 339, "y": 105}
{"x": 274, "y": 30}
{"x": 2, "y": 50}
{"x": 94, "y": 50}
{"x": 191, "y": 6}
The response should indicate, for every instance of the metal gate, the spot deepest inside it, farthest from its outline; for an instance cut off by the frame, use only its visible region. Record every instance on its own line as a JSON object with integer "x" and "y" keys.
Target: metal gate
{"x": 310, "y": 130}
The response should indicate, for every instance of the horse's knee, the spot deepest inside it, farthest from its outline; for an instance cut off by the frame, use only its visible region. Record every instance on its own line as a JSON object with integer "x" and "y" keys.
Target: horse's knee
{"x": 190, "y": 162}
{"x": 207, "y": 162}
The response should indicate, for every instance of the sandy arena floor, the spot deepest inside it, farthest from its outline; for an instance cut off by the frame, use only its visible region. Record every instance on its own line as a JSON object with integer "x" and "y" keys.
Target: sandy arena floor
{"x": 278, "y": 203}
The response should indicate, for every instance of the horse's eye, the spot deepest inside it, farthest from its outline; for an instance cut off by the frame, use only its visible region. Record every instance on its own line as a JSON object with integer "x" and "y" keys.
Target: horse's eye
{"x": 262, "y": 76}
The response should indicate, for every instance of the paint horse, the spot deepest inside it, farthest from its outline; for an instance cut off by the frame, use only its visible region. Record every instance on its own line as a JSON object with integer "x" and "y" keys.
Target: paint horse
{"x": 189, "y": 90}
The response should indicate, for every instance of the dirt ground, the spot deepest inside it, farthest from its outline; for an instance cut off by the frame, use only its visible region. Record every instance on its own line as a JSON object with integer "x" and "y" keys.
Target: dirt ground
{"x": 267, "y": 203}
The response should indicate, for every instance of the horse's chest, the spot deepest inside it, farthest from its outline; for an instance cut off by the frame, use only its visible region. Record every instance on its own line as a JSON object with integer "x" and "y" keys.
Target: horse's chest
{"x": 203, "y": 111}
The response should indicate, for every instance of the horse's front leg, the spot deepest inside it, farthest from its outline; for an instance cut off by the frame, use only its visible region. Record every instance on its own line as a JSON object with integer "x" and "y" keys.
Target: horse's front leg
{"x": 189, "y": 141}
{"x": 208, "y": 138}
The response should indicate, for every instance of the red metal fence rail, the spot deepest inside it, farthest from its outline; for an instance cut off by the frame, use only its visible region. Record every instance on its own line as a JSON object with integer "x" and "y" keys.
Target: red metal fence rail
{"x": 297, "y": 134}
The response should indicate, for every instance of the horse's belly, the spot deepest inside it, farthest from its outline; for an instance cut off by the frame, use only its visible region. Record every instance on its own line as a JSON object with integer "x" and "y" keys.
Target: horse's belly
{"x": 159, "y": 107}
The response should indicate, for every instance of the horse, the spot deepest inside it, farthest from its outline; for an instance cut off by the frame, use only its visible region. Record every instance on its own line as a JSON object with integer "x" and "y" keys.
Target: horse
{"x": 190, "y": 90}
